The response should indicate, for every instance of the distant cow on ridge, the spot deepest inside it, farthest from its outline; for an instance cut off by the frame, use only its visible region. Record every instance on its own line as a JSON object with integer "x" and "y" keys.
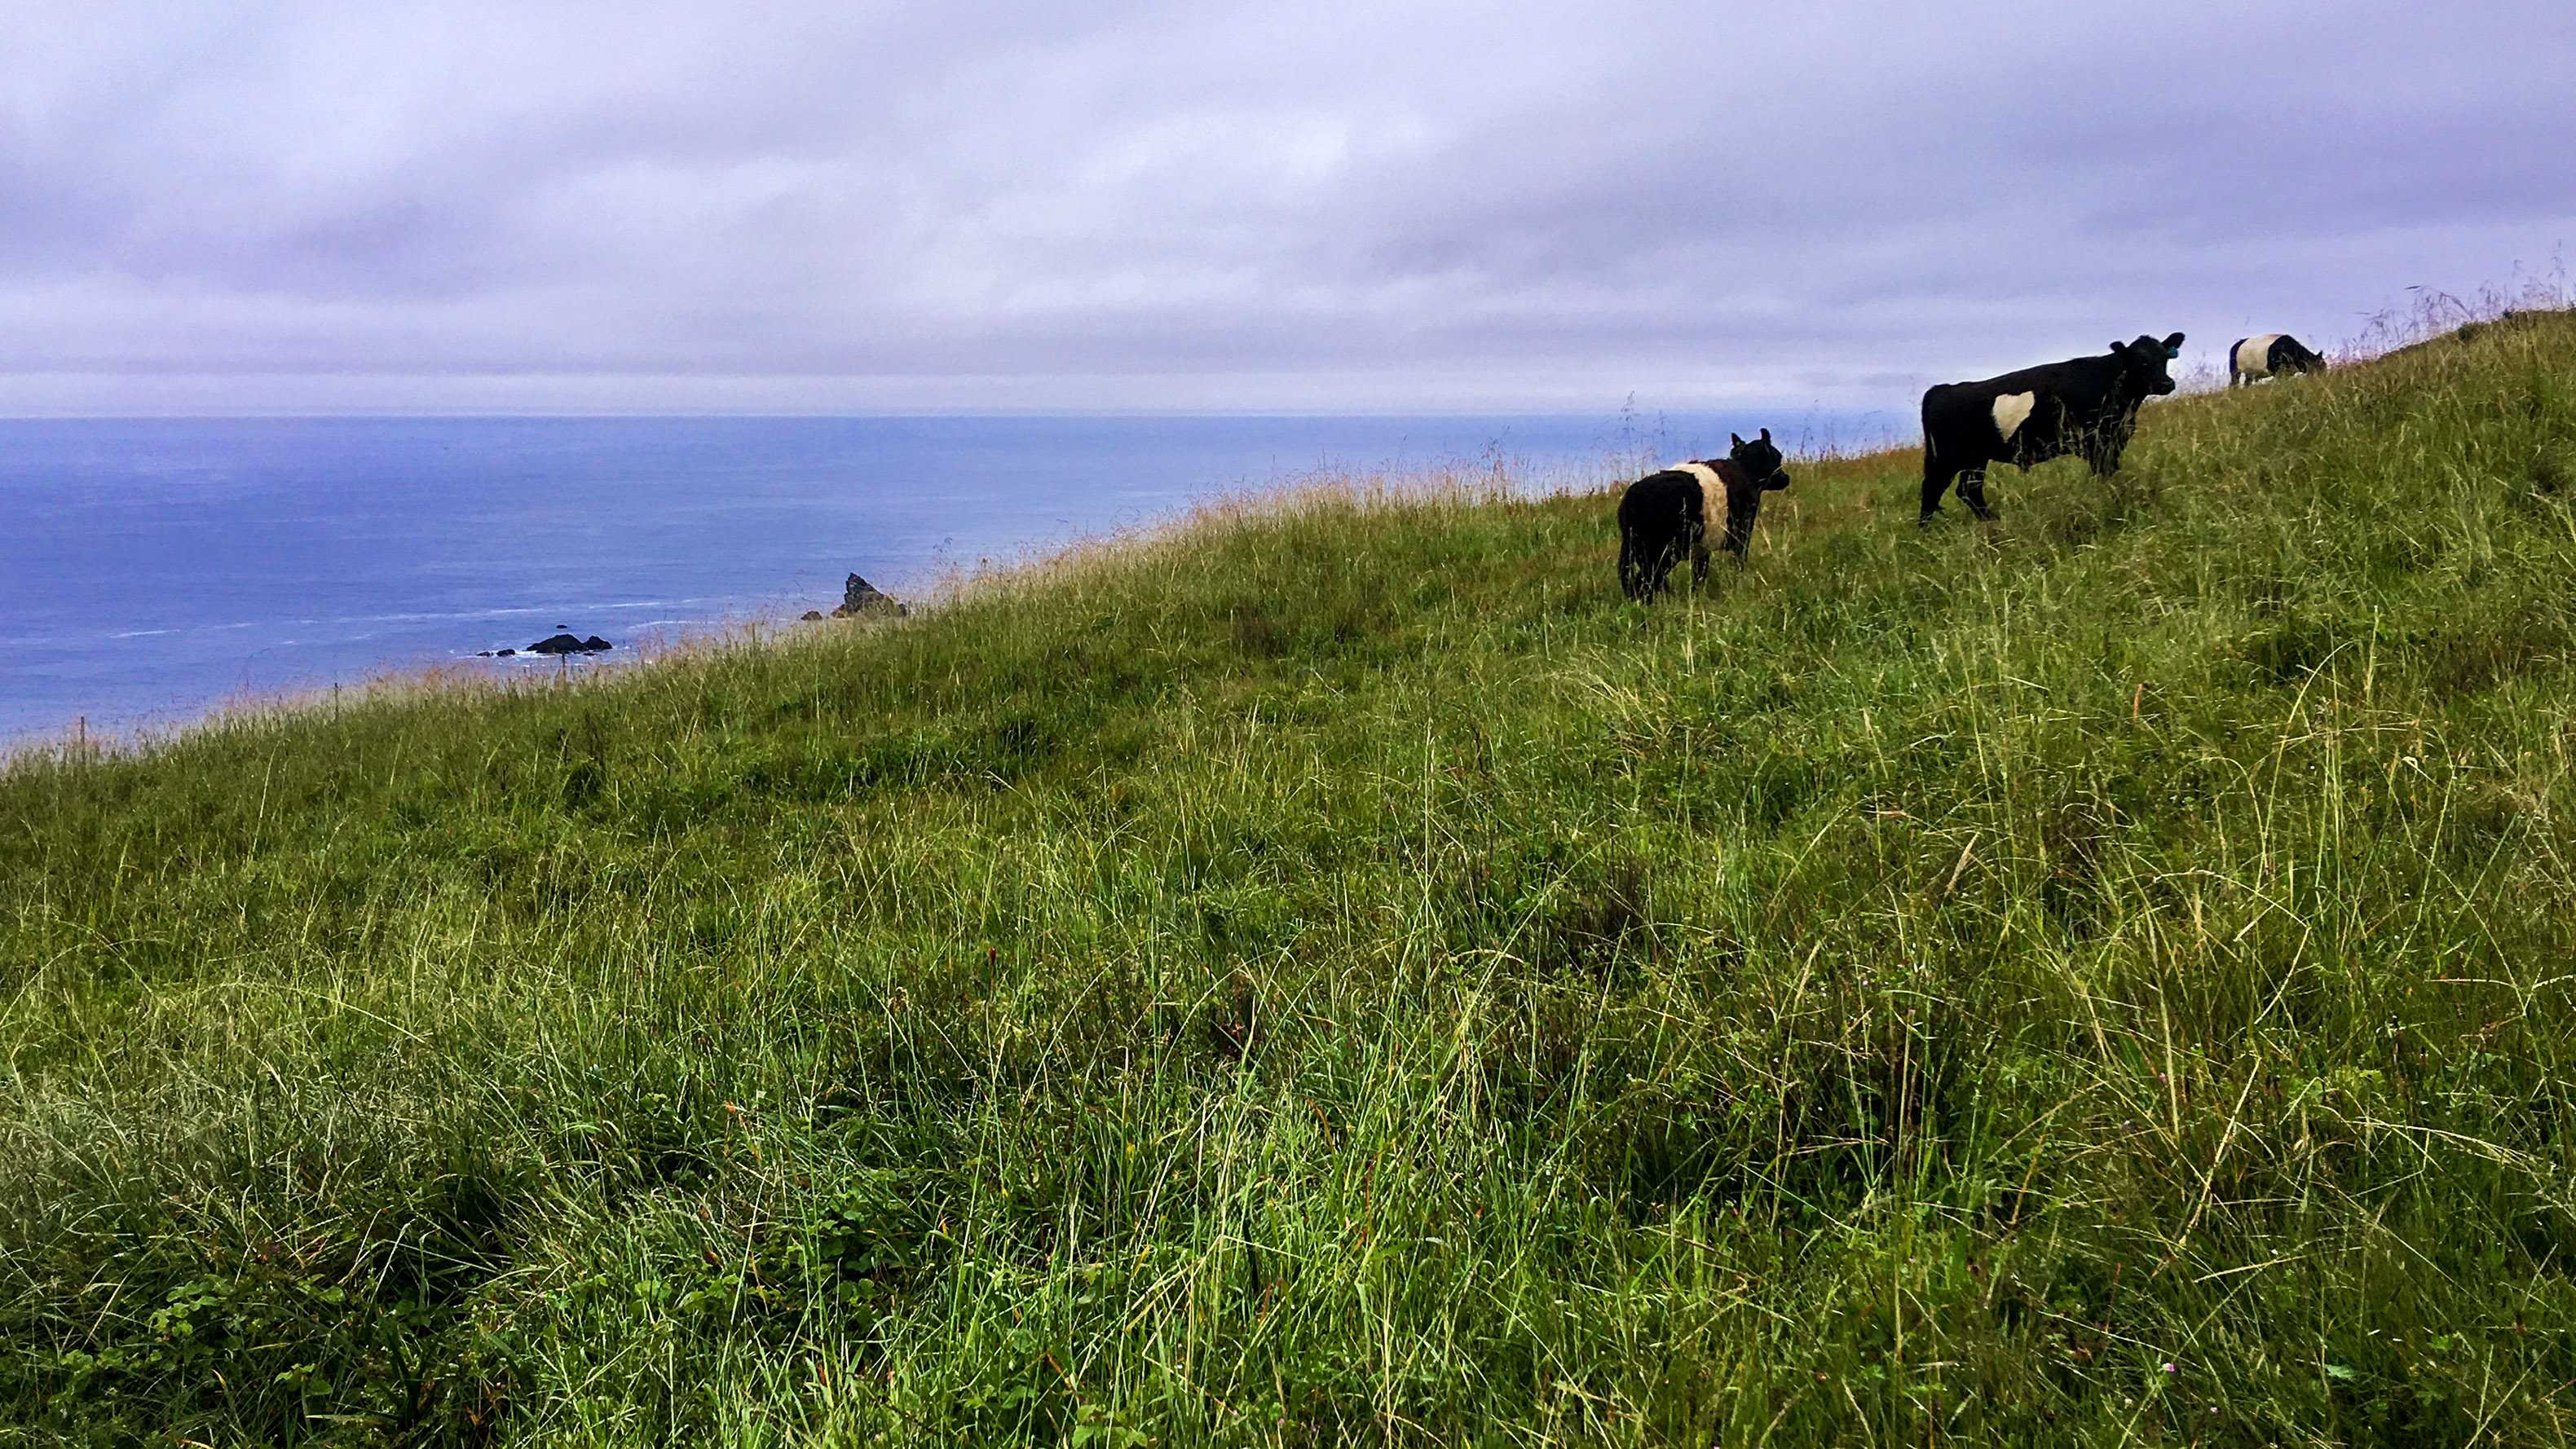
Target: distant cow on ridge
{"x": 2274, "y": 354}
{"x": 2087, "y": 406}
{"x": 1666, "y": 514}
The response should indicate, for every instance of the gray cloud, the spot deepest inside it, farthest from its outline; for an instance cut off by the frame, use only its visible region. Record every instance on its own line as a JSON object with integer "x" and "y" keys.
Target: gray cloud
{"x": 831, "y": 206}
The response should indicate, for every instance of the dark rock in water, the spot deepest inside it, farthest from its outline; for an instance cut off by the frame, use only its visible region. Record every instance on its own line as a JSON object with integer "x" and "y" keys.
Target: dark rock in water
{"x": 858, "y": 596}
{"x": 504, "y": 653}
{"x": 813, "y": 614}
{"x": 570, "y": 643}
{"x": 484, "y": 654}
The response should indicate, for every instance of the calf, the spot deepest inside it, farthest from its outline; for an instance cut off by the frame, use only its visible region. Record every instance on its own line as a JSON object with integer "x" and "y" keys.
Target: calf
{"x": 2087, "y": 406}
{"x": 2274, "y": 354}
{"x": 1664, "y": 515}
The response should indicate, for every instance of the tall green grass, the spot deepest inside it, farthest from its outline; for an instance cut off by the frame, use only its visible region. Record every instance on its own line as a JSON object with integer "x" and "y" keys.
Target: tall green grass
{"x": 1335, "y": 973}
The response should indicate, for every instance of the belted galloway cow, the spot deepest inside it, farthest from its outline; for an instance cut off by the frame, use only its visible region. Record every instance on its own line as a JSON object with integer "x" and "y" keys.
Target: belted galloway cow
{"x": 1666, "y": 514}
{"x": 2274, "y": 354}
{"x": 2087, "y": 406}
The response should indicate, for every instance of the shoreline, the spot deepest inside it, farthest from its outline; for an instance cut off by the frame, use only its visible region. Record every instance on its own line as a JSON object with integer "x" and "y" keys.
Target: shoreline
{"x": 933, "y": 587}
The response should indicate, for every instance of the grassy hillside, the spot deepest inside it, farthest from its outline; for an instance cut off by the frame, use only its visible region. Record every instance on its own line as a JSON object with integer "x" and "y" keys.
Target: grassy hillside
{"x": 1338, "y": 974}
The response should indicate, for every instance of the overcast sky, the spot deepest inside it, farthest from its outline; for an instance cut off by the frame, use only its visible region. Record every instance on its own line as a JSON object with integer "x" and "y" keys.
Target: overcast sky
{"x": 1363, "y": 205}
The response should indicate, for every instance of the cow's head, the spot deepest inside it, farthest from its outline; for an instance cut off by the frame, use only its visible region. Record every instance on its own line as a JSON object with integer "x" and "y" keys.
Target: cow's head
{"x": 1759, "y": 460}
{"x": 2143, "y": 363}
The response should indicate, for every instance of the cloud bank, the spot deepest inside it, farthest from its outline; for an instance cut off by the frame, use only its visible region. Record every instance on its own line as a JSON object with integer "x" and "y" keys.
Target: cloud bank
{"x": 797, "y": 206}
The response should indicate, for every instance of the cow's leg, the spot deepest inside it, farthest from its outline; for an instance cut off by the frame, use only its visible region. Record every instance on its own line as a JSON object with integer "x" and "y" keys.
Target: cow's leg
{"x": 1972, "y": 491}
{"x": 1669, "y": 559}
{"x": 1739, "y": 532}
{"x": 2105, "y": 453}
{"x": 1659, "y": 566}
{"x": 1936, "y": 481}
{"x": 1632, "y": 573}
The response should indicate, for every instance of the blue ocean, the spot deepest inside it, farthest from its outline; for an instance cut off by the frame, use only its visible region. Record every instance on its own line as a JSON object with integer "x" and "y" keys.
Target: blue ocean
{"x": 154, "y": 570}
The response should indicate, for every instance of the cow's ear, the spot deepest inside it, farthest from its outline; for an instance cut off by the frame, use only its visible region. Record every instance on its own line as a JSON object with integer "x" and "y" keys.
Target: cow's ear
{"x": 2118, "y": 347}
{"x": 2173, "y": 345}
{"x": 1766, "y": 435}
{"x": 1738, "y": 437}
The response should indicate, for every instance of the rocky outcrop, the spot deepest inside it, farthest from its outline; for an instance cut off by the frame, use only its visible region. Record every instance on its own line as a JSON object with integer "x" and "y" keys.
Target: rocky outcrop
{"x": 568, "y": 643}
{"x": 859, "y": 597}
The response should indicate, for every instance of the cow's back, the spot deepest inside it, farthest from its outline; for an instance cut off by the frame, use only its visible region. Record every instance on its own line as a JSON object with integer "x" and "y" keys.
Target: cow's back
{"x": 1718, "y": 483}
{"x": 1957, "y": 425}
{"x": 1660, "y": 496}
{"x": 1944, "y": 402}
{"x": 2253, "y": 356}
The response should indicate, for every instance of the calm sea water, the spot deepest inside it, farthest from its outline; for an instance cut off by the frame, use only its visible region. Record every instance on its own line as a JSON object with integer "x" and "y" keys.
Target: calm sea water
{"x": 151, "y": 570}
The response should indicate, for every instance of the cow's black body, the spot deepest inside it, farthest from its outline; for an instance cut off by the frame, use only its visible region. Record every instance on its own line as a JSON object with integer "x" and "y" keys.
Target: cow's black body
{"x": 2086, "y": 406}
{"x": 1665, "y": 515}
{"x": 2279, "y": 356}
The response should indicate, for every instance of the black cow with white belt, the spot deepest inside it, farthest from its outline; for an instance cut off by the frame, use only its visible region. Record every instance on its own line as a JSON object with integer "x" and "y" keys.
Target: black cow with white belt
{"x": 2274, "y": 354}
{"x": 2087, "y": 406}
{"x": 1667, "y": 514}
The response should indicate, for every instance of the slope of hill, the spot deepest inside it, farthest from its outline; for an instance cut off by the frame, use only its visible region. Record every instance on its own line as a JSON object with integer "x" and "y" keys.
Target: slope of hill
{"x": 1336, "y": 973}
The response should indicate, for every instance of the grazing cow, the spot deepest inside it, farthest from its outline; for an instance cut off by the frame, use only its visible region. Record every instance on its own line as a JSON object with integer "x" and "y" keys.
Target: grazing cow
{"x": 1664, "y": 515}
{"x": 2274, "y": 354}
{"x": 2087, "y": 406}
